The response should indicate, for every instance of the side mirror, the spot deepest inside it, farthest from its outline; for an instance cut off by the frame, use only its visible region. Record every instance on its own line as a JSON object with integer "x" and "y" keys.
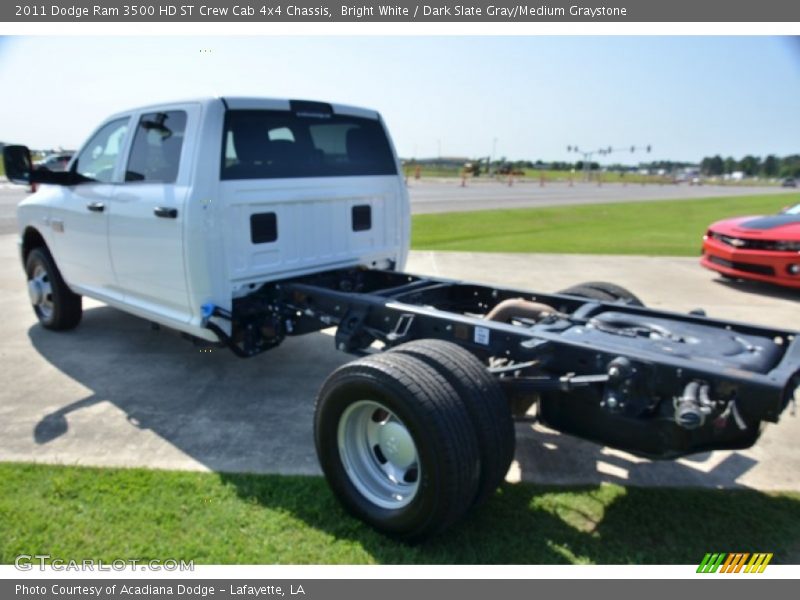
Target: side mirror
{"x": 20, "y": 169}
{"x": 18, "y": 164}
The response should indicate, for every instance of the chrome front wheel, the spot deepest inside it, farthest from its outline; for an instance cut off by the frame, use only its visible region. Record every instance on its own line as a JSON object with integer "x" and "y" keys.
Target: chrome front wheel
{"x": 56, "y": 306}
{"x": 40, "y": 291}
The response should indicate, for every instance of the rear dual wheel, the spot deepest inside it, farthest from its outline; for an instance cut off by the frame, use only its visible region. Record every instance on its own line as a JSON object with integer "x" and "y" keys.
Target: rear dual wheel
{"x": 485, "y": 402}
{"x": 399, "y": 445}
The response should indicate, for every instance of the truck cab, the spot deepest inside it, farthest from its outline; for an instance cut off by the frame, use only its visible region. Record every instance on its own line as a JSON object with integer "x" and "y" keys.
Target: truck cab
{"x": 172, "y": 207}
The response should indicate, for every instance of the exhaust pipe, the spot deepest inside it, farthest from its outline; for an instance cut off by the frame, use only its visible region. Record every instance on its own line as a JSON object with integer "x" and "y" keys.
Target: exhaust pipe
{"x": 517, "y": 307}
{"x": 692, "y": 408}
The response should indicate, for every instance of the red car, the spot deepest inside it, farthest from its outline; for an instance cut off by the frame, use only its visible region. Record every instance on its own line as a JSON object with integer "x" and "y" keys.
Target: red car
{"x": 763, "y": 248}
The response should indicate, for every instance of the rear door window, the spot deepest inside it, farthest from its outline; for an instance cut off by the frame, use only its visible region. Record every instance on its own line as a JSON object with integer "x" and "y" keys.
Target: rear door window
{"x": 265, "y": 144}
{"x": 156, "y": 151}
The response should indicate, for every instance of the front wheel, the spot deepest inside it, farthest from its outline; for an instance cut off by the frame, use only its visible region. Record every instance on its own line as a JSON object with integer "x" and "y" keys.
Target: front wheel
{"x": 396, "y": 445}
{"x": 55, "y": 305}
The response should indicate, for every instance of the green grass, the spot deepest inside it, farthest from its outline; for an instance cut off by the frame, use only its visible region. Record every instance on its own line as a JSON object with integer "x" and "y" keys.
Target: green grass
{"x": 212, "y": 518}
{"x": 663, "y": 228}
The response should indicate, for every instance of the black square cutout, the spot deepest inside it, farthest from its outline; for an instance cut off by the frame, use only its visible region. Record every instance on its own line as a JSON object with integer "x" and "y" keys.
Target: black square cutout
{"x": 263, "y": 228}
{"x": 362, "y": 217}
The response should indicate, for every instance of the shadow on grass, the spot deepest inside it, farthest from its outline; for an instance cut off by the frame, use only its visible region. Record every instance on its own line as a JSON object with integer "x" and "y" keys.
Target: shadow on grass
{"x": 528, "y": 524}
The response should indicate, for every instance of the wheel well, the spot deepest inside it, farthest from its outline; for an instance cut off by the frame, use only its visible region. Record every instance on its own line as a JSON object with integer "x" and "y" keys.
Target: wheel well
{"x": 31, "y": 239}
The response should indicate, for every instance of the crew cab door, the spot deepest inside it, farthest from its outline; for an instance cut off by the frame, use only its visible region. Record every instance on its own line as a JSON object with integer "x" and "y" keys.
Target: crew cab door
{"x": 79, "y": 217}
{"x": 147, "y": 216}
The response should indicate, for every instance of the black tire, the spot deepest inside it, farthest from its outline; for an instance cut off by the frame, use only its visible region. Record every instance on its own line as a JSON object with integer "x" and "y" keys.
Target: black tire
{"x": 485, "y": 402}
{"x": 428, "y": 407}
{"x": 605, "y": 292}
{"x": 59, "y": 308}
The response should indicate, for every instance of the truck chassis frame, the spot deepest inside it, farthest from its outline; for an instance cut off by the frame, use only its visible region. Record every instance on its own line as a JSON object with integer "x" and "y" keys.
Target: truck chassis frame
{"x": 605, "y": 388}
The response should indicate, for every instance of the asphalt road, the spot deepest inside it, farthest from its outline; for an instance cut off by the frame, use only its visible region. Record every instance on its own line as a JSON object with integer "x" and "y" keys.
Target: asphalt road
{"x": 449, "y": 196}
{"x": 9, "y": 198}
{"x": 116, "y": 393}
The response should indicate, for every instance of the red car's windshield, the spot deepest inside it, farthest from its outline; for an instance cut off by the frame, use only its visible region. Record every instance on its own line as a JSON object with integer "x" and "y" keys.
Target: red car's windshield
{"x": 792, "y": 210}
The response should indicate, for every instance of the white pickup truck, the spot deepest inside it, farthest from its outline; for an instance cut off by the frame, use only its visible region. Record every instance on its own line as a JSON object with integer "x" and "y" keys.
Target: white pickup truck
{"x": 179, "y": 205}
{"x": 241, "y": 221}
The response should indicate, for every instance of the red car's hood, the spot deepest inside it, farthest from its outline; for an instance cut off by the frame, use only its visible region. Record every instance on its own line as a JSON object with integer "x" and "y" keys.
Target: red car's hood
{"x": 770, "y": 227}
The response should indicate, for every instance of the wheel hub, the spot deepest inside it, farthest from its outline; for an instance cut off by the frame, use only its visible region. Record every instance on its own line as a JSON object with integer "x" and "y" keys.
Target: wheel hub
{"x": 396, "y": 444}
{"x": 379, "y": 454}
{"x": 40, "y": 291}
{"x": 35, "y": 291}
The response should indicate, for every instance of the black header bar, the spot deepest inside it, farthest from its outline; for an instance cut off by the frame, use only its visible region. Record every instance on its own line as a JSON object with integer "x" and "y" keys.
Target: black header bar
{"x": 444, "y": 11}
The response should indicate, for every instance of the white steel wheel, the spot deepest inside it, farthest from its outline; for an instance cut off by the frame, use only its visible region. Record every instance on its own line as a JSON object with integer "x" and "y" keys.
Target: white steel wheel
{"x": 396, "y": 445}
{"x": 379, "y": 454}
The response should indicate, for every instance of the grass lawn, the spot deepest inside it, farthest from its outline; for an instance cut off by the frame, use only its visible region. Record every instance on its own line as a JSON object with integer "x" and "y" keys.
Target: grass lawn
{"x": 213, "y": 518}
{"x": 663, "y": 228}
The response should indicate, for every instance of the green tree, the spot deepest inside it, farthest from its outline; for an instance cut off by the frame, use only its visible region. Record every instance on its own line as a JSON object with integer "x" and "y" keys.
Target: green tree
{"x": 712, "y": 165}
{"x": 790, "y": 166}
{"x": 729, "y": 166}
{"x": 750, "y": 165}
{"x": 769, "y": 168}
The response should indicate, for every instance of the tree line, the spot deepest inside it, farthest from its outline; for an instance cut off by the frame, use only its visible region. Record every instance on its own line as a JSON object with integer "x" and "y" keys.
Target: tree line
{"x": 751, "y": 166}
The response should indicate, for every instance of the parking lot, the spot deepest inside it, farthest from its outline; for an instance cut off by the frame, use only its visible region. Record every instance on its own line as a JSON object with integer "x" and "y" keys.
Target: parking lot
{"x": 114, "y": 392}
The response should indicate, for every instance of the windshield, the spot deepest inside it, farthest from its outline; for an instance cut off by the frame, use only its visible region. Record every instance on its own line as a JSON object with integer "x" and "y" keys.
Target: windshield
{"x": 792, "y": 210}
{"x": 266, "y": 144}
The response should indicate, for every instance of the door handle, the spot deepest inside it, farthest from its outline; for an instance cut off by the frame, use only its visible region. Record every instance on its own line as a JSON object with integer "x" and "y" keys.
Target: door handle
{"x": 165, "y": 212}
{"x": 96, "y": 206}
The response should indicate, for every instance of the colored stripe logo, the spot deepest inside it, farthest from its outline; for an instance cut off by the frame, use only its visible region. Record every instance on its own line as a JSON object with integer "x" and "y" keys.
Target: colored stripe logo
{"x": 734, "y": 562}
